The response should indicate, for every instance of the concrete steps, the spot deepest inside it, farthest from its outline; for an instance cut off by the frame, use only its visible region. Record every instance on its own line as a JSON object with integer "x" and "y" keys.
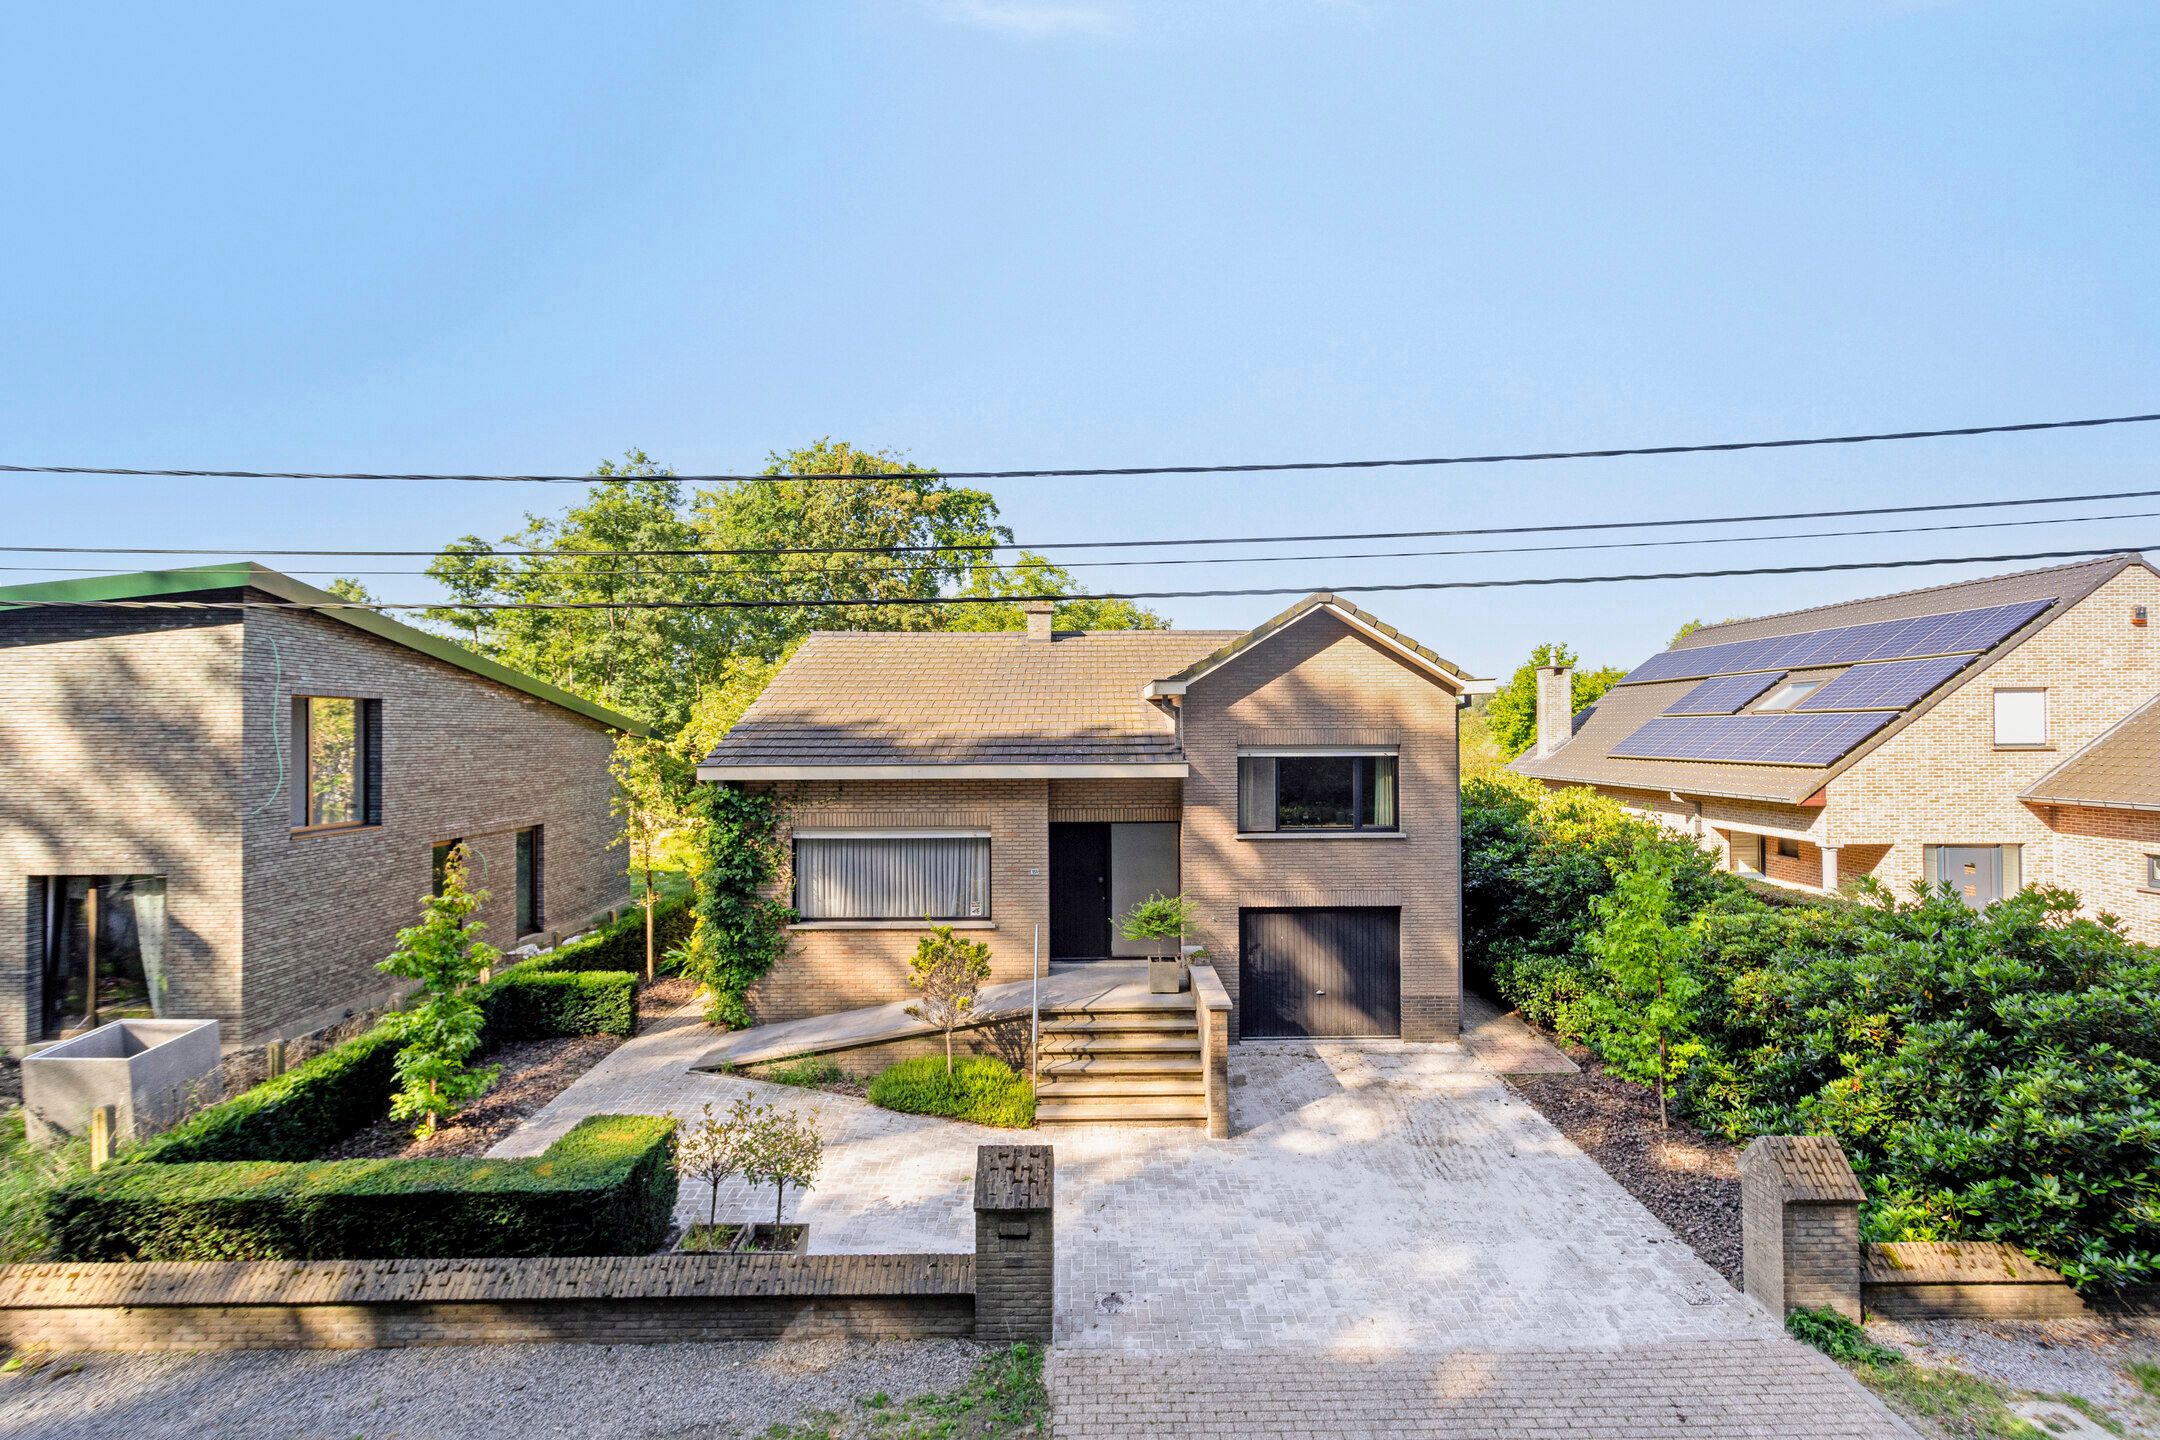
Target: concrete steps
{"x": 1129, "y": 1061}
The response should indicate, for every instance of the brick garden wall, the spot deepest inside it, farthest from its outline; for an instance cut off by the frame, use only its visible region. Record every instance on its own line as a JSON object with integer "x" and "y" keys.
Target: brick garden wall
{"x": 463, "y": 758}
{"x": 120, "y": 746}
{"x": 1320, "y": 676}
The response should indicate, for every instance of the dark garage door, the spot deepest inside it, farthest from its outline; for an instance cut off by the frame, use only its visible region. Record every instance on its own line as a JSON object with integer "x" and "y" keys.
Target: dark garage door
{"x": 1320, "y": 972}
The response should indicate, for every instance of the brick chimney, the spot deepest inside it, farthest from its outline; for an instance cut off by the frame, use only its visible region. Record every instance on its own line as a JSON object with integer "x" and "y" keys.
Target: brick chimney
{"x": 1555, "y": 707}
{"x": 1038, "y": 618}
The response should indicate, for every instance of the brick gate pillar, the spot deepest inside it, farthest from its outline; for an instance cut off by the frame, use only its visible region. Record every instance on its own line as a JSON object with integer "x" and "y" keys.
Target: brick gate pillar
{"x": 1800, "y": 1224}
{"x": 1015, "y": 1260}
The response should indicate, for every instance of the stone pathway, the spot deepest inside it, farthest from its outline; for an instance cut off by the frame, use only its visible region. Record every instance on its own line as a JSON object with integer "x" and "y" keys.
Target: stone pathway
{"x": 1503, "y": 1042}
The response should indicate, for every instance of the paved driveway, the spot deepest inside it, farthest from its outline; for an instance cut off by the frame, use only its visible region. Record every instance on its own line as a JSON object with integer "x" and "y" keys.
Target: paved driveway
{"x": 1392, "y": 1242}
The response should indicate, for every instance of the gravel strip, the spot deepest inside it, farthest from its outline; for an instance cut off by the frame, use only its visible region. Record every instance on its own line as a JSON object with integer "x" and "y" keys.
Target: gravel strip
{"x": 1689, "y": 1180}
{"x": 2084, "y": 1358}
{"x": 605, "y": 1392}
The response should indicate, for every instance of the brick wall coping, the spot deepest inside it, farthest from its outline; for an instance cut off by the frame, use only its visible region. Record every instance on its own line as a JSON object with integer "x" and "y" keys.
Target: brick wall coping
{"x": 1013, "y": 1177}
{"x": 1208, "y": 991}
{"x": 598, "y": 1277}
{"x": 1808, "y": 1169}
{"x": 1939, "y": 1262}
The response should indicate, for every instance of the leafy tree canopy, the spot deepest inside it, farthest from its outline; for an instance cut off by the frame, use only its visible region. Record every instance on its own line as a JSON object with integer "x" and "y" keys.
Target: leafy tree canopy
{"x": 1511, "y": 715}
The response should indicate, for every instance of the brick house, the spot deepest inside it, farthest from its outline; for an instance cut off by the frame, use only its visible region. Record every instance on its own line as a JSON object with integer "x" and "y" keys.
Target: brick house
{"x": 1298, "y": 782}
{"x": 229, "y": 813}
{"x": 1989, "y": 734}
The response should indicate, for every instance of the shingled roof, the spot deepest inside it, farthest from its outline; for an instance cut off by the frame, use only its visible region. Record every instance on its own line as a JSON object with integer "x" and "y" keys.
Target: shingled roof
{"x": 865, "y": 703}
{"x": 1587, "y": 758}
{"x": 2119, "y": 770}
{"x": 876, "y": 698}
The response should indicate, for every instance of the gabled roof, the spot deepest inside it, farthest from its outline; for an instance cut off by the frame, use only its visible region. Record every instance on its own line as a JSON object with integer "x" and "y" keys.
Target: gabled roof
{"x": 199, "y": 580}
{"x": 1588, "y": 758}
{"x": 882, "y": 704}
{"x": 1418, "y": 655}
{"x": 2118, "y": 770}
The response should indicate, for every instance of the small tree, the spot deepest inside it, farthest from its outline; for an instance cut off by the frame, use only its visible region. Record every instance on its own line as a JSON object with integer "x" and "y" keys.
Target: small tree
{"x": 778, "y": 1148}
{"x": 711, "y": 1151}
{"x": 1159, "y": 917}
{"x": 652, "y": 792}
{"x": 1647, "y": 1004}
{"x": 445, "y": 954}
{"x": 949, "y": 972}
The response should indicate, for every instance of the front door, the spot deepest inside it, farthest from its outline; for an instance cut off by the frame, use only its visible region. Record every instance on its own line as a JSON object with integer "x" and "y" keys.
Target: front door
{"x": 1079, "y": 892}
{"x": 1975, "y": 872}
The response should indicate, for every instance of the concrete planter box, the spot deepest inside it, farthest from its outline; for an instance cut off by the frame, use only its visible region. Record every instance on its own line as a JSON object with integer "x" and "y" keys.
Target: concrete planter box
{"x": 150, "y": 1071}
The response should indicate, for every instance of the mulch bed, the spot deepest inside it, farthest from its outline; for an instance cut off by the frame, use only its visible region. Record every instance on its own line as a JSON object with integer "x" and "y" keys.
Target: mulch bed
{"x": 534, "y": 1072}
{"x": 1689, "y": 1180}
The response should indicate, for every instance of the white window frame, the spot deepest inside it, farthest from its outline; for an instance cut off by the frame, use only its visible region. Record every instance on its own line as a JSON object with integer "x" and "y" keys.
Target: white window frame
{"x": 2019, "y": 742}
{"x": 983, "y": 910}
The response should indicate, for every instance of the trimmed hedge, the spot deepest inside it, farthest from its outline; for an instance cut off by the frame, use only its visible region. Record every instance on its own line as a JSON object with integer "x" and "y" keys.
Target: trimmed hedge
{"x": 981, "y": 1090}
{"x": 621, "y": 946}
{"x": 295, "y": 1116}
{"x": 313, "y": 1106}
{"x": 539, "y": 1006}
{"x": 605, "y": 1188}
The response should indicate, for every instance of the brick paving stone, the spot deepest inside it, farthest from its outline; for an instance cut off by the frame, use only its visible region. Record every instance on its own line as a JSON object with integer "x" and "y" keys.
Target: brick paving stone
{"x": 1390, "y": 1235}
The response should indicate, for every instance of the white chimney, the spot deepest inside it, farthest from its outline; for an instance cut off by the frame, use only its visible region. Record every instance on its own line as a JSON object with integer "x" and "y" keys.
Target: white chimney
{"x": 1555, "y": 707}
{"x": 1038, "y": 618}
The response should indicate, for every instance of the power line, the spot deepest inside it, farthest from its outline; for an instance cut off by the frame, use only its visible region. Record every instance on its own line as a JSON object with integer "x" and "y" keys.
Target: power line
{"x": 972, "y": 547}
{"x": 685, "y": 572}
{"x": 939, "y": 600}
{"x": 1106, "y": 471}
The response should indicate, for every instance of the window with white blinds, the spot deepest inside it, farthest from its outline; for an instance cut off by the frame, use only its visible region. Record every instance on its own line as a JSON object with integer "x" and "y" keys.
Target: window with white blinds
{"x": 893, "y": 877}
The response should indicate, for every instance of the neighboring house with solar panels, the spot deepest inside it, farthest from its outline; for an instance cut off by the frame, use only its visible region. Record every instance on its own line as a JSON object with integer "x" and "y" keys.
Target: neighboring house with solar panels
{"x": 1989, "y": 734}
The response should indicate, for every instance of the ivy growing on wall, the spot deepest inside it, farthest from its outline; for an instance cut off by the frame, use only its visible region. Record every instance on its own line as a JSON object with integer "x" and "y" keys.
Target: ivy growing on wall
{"x": 740, "y": 929}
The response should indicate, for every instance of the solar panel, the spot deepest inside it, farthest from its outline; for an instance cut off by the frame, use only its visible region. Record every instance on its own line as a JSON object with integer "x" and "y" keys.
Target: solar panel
{"x": 1958, "y": 632}
{"x": 1886, "y": 685}
{"x": 1788, "y": 739}
{"x": 1723, "y": 694}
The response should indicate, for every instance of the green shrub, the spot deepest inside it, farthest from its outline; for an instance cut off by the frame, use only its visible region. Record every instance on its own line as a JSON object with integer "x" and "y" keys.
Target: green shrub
{"x": 981, "y": 1090}
{"x": 538, "y": 1005}
{"x": 1992, "y": 1075}
{"x": 807, "y": 1072}
{"x": 606, "y": 1188}
{"x": 621, "y": 946}
{"x": 1837, "y": 1336}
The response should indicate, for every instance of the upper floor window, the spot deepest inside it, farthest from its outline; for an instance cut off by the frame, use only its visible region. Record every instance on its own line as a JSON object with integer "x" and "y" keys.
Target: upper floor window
{"x": 337, "y": 760}
{"x": 2021, "y": 717}
{"x": 892, "y": 875}
{"x": 1321, "y": 792}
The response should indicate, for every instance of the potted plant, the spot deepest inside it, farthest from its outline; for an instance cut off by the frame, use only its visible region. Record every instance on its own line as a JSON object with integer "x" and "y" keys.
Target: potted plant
{"x": 1161, "y": 921}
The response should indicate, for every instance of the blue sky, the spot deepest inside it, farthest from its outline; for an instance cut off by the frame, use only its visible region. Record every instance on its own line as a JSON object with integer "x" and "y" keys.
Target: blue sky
{"x": 996, "y": 233}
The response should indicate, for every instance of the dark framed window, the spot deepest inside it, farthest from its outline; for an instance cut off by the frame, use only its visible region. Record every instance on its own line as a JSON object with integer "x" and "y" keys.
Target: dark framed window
{"x": 336, "y": 762}
{"x": 2152, "y": 872}
{"x": 441, "y": 863}
{"x": 531, "y": 893}
{"x": 892, "y": 877}
{"x": 103, "y": 943}
{"x": 1335, "y": 792}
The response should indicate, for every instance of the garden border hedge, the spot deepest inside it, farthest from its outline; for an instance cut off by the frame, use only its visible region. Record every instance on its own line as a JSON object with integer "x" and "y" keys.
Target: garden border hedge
{"x": 605, "y": 1188}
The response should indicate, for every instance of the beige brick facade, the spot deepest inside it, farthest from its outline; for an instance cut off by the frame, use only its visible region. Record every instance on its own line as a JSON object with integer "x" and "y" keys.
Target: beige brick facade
{"x": 161, "y": 746}
{"x": 1942, "y": 780}
{"x": 1317, "y": 679}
